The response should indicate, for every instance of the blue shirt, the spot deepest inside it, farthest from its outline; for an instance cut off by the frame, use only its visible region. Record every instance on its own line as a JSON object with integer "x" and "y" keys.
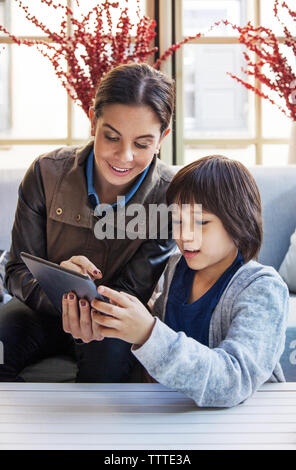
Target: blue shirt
{"x": 92, "y": 195}
{"x": 194, "y": 319}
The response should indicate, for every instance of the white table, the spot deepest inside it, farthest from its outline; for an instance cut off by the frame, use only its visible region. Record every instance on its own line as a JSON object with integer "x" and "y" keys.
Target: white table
{"x": 141, "y": 416}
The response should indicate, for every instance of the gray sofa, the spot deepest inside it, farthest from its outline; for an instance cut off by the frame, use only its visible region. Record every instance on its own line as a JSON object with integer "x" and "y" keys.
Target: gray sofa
{"x": 278, "y": 192}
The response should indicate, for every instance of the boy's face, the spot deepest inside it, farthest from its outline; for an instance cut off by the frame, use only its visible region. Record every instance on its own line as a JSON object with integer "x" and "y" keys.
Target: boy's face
{"x": 202, "y": 239}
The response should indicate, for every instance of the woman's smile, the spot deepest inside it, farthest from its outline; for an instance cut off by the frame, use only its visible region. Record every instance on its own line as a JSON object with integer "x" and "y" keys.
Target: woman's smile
{"x": 119, "y": 170}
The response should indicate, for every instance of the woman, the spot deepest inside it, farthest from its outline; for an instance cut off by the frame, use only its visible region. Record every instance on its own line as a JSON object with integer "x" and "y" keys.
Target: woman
{"x": 56, "y": 220}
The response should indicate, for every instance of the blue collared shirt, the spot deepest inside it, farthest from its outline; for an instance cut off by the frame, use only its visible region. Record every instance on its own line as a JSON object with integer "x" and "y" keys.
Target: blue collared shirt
{"x": 92, "y": 195}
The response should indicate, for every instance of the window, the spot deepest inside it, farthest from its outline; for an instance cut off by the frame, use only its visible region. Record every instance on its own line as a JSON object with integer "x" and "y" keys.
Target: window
{"x": 215, "y": 114}
{"x": 36, "y": 114}
{"x": 5, "y": 95}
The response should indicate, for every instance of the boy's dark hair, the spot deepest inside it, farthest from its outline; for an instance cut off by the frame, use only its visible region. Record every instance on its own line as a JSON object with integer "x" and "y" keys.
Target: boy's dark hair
{"x": 227, "y": 189}
{"x": 137, "y": 84}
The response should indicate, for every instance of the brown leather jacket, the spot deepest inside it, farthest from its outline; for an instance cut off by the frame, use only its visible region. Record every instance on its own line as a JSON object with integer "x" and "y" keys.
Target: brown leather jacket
{"x": 54, "y": 220}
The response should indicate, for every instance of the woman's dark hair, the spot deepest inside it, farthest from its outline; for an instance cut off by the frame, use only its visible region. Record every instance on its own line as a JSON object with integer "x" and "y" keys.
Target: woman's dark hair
{"x": 137, "y": 84}
{"x": 227, "y": 189}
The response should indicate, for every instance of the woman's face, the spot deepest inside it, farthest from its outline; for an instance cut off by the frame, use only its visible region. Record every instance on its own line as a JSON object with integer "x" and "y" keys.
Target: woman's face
{"x": 202, "y": 239}
{"x": 125, "y": 140}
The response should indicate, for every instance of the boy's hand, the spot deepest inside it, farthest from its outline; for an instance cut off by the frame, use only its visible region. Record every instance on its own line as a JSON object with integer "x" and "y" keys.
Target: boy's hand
{"x": 127, "y": 318}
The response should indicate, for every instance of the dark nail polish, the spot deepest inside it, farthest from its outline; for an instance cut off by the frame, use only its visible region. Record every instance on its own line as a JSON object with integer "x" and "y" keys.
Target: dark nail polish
{"x": 82, "y": 303}
{"x": 65, "y": 296}
{"x": 71, "y": 296}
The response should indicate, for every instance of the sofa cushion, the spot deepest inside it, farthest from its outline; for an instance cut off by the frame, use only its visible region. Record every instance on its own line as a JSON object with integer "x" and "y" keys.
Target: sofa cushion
{"x": 288, "y": 358}
{"x": 1, "y": 283}
{"x": 277, "y": 186}
{"x": 3, "y": 259}
{"x": 64, "y": 369}
{"x": 52, "y": 369}
{"x": 10, "y": 180}
{"x": 288, "y": 267}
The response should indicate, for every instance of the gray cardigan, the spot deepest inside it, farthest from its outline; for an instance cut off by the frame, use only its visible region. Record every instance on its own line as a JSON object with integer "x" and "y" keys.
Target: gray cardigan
{"x": 246, "y": 340}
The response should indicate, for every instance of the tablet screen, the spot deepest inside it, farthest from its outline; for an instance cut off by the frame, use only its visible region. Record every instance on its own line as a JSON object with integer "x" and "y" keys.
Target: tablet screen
{"x": 56, "y": 280}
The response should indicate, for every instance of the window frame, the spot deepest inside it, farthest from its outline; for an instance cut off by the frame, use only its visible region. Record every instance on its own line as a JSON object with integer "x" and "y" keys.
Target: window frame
{"x": 258, "y": 140}
{"x": 168, "y": 14}
{"x": 69, "y": 139}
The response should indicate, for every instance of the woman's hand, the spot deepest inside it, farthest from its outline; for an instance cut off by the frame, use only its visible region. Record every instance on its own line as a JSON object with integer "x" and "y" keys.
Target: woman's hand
{"x": 77, "y": 315}
{"x": 77, "y": 319}
{"x": 82, "y": 265}
{"x": 127, "y": 318}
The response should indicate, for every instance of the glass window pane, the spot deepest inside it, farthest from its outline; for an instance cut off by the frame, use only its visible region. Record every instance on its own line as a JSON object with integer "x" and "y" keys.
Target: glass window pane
{"x": 4, "y": 17}
{"x": 200, "y": 15}
{"x": 245, "y": 155}
{"x": 21, "y": 156}
{"x": 269, "y": 20}
{"x": 49, "y": 16}
{"x": 38, "y": 102}
{"x": 275, "y": 155}
{"x": 215, "y": 105}
{"x": 80, "y": 123}
{"x": 5, "y": 95}
{"x": 52, "y": 18}
{"x": 276, "y": 123}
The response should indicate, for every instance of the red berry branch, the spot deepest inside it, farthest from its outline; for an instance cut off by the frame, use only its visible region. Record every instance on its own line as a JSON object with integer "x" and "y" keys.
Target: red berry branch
{"x": 81, "y": 58}
{"x": 280, "y": 78}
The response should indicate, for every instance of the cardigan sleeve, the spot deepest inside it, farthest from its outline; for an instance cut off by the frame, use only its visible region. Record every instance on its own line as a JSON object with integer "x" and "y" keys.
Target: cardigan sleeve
{"x": 230, "y": 373}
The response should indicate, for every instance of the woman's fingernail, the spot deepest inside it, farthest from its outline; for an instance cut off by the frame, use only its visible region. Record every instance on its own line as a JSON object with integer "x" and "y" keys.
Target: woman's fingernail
{"x": 71, "y": 296}
{"x": 65, "y": 296}
{"x": 82, "y": 303}
{"x": 96, "y": 272}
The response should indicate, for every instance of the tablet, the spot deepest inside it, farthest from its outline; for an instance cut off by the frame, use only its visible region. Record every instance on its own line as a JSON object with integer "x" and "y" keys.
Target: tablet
{"x": 57, "y": 281}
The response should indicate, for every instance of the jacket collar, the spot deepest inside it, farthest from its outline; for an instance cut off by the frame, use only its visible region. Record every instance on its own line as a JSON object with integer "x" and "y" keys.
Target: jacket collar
{"x": 82, "y": 153}
{"x": 70, "y": 201}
